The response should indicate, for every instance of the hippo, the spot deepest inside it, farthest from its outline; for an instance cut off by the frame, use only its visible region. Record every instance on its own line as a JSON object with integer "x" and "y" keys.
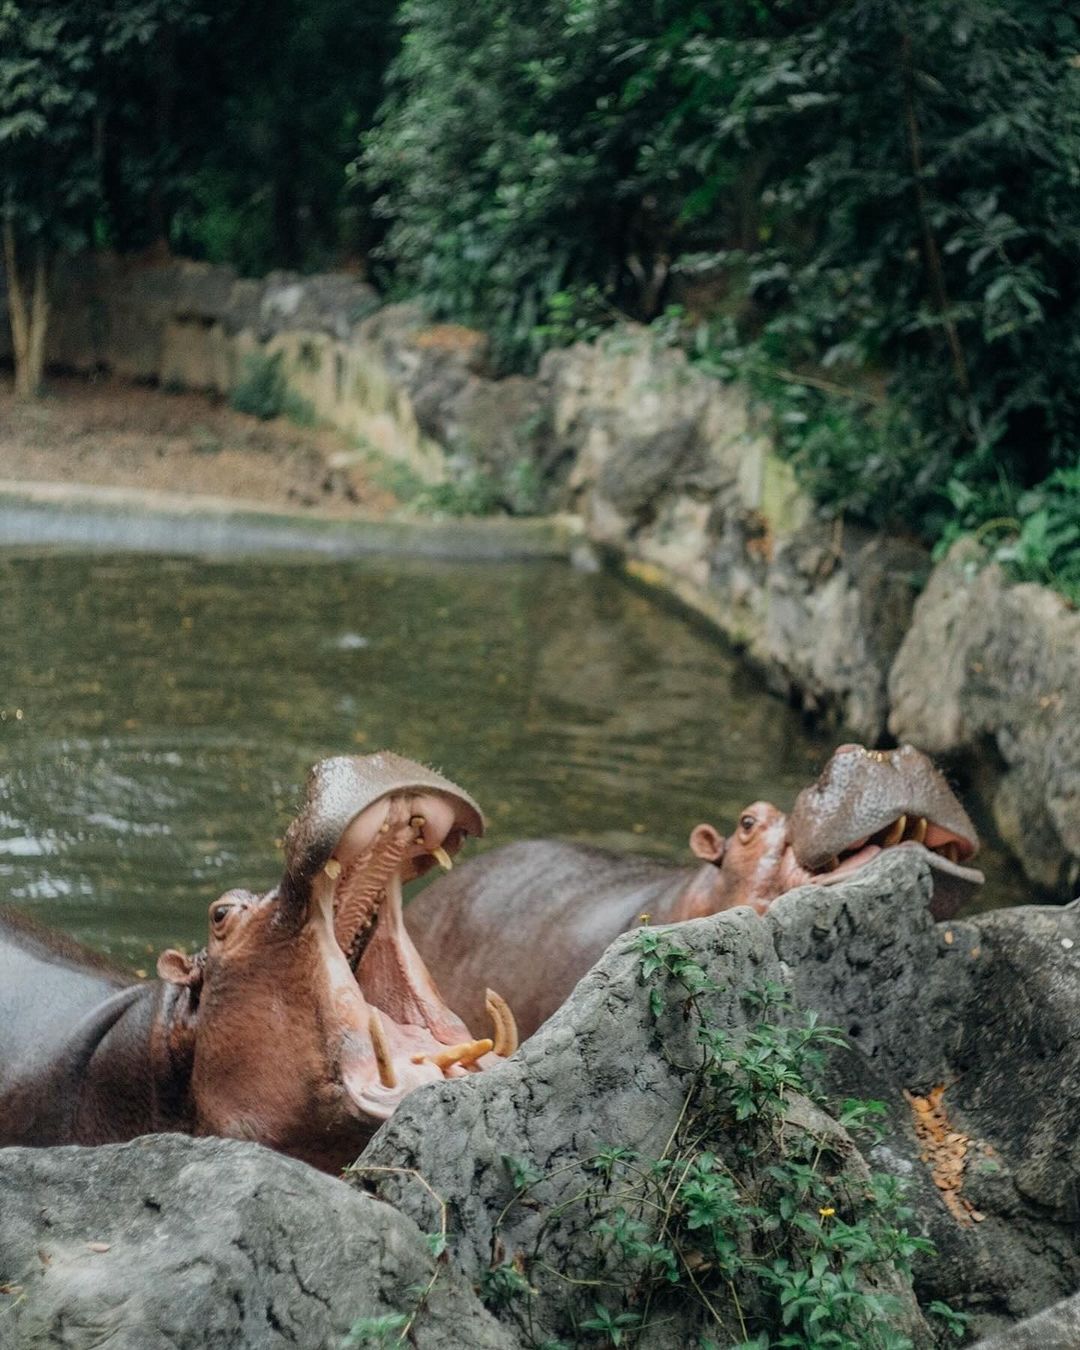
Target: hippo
{"x": 536, "y": 915}
{"x": 303, "y": 1022}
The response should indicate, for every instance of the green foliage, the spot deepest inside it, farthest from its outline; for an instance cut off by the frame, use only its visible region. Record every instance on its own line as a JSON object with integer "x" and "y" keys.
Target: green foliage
{"x": 375, "y": 1331}
{"x": 512, "y": 164}
{"x": 261, "y": 388}
{"x": 48, "y": 178}
{"x": 1046, "y": 546}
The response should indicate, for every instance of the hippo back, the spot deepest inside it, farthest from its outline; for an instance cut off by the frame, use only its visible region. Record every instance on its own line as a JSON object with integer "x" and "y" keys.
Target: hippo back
{"x": 48, "y": 986}
{"x": 529, "y": 919}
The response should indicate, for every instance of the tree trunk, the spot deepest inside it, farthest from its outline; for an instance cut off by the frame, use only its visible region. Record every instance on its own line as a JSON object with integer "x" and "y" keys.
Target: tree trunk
{"x": 29, "y": 320}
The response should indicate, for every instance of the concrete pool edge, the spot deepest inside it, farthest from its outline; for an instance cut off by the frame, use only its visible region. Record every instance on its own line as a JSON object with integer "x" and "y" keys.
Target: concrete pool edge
{"x": 82, "y": 515}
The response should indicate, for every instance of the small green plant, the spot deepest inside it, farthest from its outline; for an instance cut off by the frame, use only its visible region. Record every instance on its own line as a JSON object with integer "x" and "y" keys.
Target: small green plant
{"x": 577, "y": 314}
{"x": 261, "y": 389}
{"x": 375, "y": 1331}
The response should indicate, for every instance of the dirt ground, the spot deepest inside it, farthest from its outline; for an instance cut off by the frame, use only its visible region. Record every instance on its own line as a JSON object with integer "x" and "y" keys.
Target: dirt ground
{"x": 112, "y": 433}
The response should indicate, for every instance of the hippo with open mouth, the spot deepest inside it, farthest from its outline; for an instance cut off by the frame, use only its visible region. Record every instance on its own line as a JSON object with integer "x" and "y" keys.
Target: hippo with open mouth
{"x": 301, "y": 1025}
{"x": 536, "y": 915}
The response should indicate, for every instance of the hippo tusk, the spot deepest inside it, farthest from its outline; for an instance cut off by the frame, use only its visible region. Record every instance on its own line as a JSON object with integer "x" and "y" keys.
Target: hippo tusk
{"x": 465, "y": 1053}
{"x": 895, "y": 832}
{"x": 917, "y": 833}
{"x": 387, "y": 1077}
{"x": 442, "y": 858}
{"x": 506, "y": 1032}
{"x": 332, "y": 869}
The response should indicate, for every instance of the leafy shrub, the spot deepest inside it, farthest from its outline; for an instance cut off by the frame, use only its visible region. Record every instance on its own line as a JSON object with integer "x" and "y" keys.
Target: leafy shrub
{"x": 260, "y": 390}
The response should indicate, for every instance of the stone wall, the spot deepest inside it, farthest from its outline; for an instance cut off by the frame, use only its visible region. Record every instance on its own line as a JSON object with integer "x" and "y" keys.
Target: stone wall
{"x": 672, "y": 476}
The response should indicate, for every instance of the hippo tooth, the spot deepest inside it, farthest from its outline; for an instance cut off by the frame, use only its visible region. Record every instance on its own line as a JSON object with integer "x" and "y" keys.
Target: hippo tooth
{"x": 917, "y": 833}
{"x": 442, "y": 858}
{"x": 895, "y": 832}
{"x": 950, "y": 851}
{"x": 506, "y": 1032}
{"x": 387, "y": 1077}
{"x": 465, "y": 1053}
{"x": 333, "y": 869}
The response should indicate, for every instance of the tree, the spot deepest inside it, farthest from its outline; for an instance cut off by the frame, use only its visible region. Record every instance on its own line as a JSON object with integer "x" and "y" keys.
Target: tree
{"x": 47, "y": 167}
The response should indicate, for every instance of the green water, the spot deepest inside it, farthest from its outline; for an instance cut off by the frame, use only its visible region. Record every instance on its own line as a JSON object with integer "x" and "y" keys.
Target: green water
{"x": 159, "y": 715}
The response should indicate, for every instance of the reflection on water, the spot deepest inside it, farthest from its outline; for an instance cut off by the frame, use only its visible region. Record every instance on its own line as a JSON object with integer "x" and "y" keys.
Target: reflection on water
{"x": 159, "y": 715}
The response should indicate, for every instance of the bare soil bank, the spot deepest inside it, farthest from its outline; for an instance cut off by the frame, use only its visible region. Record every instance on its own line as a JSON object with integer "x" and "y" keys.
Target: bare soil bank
{"x": 112, "y": 433}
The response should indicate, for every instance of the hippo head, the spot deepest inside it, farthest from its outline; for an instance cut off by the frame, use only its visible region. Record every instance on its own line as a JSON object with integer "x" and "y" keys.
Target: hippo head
{"x": 863, "y": 802}
{"x": 310, "y": 1013}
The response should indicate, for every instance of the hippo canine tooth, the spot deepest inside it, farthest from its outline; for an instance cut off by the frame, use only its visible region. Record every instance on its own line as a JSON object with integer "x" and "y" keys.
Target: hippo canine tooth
{"x": 895, "y": 832}
{"x": 383, "y": 1063}
{"x": 465, "y": 1053}
{"x": 442, "y": 858}
{"x": 506, "y": 1032}
{"x": 917, "y": 832}
{"x": 332, "y": 869}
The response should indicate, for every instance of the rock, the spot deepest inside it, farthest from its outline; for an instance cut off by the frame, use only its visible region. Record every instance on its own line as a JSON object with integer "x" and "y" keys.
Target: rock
{"x": 983, "y": 1007}
{"x": 986, "y": 661}
{"x": 191, "y": 1243}
{"x": 1056, "y": 1328}
{"x": 838, "y": 607}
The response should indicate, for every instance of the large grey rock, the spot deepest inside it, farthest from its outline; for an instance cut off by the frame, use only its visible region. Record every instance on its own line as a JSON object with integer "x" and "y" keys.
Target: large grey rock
{"x": 985, "y": 1007}
{"x": 986, "y": 661}
{"x": 170, "y": 1243}
{"x": 1056, "y": 1328}
{"x": 839, "y": 603}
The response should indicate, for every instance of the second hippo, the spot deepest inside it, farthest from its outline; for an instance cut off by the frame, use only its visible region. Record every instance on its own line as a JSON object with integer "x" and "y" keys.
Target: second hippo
{"x": 533, "y": 917}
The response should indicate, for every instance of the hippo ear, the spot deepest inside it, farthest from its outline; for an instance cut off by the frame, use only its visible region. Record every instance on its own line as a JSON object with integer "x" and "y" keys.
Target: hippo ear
{"x": 177, "y": 968}
{"x": 707, "y": 843}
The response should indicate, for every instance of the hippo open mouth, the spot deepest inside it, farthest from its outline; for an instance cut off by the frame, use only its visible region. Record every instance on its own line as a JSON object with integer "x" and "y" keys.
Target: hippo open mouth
{"x": 867, "y": 801}
{"x": 369, "y": 826}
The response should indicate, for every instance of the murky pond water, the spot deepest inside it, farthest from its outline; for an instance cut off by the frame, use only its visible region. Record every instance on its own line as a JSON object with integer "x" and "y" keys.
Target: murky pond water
{"x": 159, "y": 715}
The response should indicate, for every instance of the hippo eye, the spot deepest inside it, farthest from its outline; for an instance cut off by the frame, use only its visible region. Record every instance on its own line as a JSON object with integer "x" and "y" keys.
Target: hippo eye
{"x": 220, "y": 914}
{"x": 747, "y": 822}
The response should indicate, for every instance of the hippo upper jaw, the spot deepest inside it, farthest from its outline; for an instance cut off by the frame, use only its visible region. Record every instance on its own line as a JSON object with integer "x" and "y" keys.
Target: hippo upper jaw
{"x": 396, "y": 1031}
{"x": 881, "y": 798}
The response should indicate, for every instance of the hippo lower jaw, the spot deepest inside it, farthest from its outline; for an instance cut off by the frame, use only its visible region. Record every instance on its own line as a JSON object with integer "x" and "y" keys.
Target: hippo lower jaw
{"x": 941, "y": 847}
{"x": 953, "y": 882}
{"x": 398, "y": 1032}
